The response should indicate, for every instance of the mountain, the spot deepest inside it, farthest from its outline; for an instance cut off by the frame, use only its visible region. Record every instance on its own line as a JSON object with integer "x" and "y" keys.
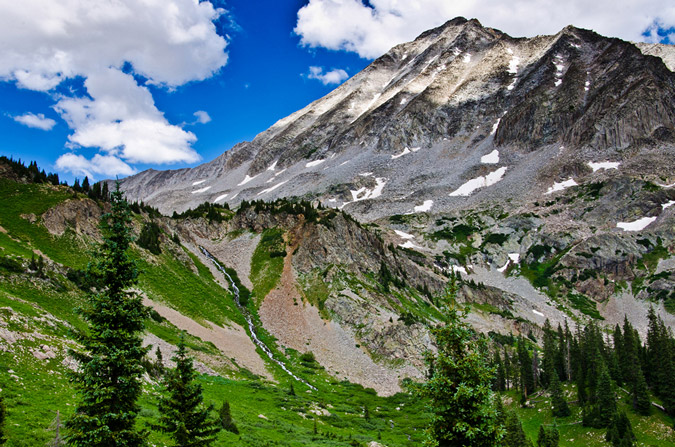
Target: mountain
{"x": 541, "y": 167}
{"x": 427, "y": 117}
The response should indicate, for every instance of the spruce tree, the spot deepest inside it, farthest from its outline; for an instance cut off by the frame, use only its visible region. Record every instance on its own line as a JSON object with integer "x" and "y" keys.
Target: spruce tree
{"x": 3, "y": 416}
{"x": 620, "y": 432}
{"x": 183, "y": 415}
{"x": 108, "y": 378}
{"x": 548, "y": 437}
{"x": 459, "y": 392}
{"x": 558, "y": 401}
{"x": 640, "y": 395}
{"x": 225, "y": 416}
{"x": 515, "y": 435}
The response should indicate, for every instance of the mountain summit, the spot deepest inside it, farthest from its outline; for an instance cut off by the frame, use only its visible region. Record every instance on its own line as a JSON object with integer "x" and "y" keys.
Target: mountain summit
{"x": 461, "y": 103}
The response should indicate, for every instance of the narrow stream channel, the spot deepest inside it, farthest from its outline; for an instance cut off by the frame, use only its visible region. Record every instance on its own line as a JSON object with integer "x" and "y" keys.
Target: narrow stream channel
{"x": 249, "y": 320}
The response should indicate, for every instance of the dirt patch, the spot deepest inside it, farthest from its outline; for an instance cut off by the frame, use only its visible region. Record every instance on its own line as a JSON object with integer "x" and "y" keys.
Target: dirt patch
{"x": 299, "y": 326}
{"x": 232, "y": 341}
{"x": 235, "y": 254}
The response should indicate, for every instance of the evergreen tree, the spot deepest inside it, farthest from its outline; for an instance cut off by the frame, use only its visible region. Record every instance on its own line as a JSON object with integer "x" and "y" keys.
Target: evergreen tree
{"x": 149, "y": 237}
{"x": 600, "y": 414}
{"x": 459, "y": 392}
{"x": 3, "y": 416}
{"x": 183, "y": 415}
{"x": 108, "y": 379}
{"x": 225, "y": 416}
{"x": 558, "y": 401}
{"x": 515, "y": 435}
{"x": 640, "y": 395}
{"x": 548, "y": 437}
{"x": 500, "y": 377}
{"x": 85, "y": 184}
{"x": 550, "y": 353}
{"x": 620, "y": 432}
{"x": 526, "y": 374}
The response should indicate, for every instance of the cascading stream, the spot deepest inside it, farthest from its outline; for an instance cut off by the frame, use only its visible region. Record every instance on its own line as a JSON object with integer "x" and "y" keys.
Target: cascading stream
{"x": 249, "y": 320}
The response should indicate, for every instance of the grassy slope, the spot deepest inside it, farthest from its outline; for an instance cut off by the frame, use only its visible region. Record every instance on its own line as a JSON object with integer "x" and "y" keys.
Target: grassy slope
{"x": 35, "y": 389}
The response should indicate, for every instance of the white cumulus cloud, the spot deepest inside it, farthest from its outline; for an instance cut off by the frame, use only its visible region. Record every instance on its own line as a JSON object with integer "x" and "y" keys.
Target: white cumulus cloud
{"x": 372, "y": 29}
{"x": 165, "y": 42}
{"x": 38, "y": 121}
{"x": 105, "y": 165}
{"x": 202, "y": 117}
{"x": 335, "y": 76}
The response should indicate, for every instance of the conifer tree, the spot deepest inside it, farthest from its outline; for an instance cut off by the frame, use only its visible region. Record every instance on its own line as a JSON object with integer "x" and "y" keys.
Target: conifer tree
{"x": 620, "y": 432}
{"x": 225, "y": 415}
{"x": 640, "y": 395}
{"x": 526, "y": 374}
{"x": 558, "y": 401}
{"x": 183, "y": 415}
{"x": 3, "y": 416}
{"x": 108, "y": 379}
{"x": 515, "y": 435}
{"x": 548, "y": 437}
{"x": 459, "y": 392}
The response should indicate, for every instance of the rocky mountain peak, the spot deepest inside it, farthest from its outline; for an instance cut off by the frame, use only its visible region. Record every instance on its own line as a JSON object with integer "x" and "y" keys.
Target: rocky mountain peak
{"x": 460, "y": 103}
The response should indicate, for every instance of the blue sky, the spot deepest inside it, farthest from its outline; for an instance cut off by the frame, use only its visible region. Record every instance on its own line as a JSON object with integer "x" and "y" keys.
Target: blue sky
{"x": 104, "y": 89}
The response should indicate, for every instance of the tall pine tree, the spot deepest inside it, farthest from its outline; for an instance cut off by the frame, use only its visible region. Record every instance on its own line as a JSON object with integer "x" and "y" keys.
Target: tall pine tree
{"x": 182, "y": 412}
{"x": 459, "y": 391}
{"x": 108, "y": 378}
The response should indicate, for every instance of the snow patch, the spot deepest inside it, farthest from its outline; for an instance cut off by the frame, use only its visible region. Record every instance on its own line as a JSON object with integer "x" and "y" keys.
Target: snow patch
{"x": 560, "y": 186}
{"x": 247, "y": 179}
{"x": 467, "y": 58}
{"x": 495, "y": 126}
{"x": 403, "y": 235}
{"x": 403, "y": 101}
{"x": 273, "y": 166}
{"x": 220, "y": 197}
{"x": 513, "y": 65}
{"x": 366, "y": 174}
{"x": 198, "y": 182}
{"x": 491, "y": 158}
{"x": 536, "y": 312}
{"x": 408, "y": 244}
{"x": 666, "y": 186}
{"x": 636, "y": 225}
{"x": 457, "y": 268}
{"x": 604, "y": 165}
{"x": 265, "y": 191}
{"x": 406, "y": 151}
{"x": 311, "y": 164}
{"x": 666, "y": 205}
{"x": 559, "y": 67}
{"x": 515, "y": 257}
{"x": 484, "y": 180}
{"x": 503, "y": 268}
{"x": 364, "y": 193}
{"x": 198, "y": 191}
{"x": 235, "y": 195}
{"x": 424, "y": 207}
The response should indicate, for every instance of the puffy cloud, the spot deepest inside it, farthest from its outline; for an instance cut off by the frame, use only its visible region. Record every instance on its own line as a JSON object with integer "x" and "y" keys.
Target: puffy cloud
{"x": 106, "y": 165}
{"x": 122, "y": 120}
{"x": 36, "y": 121}
{"x": 372, "y": 29}
{"x": 166, "y": 42}
{"x": 335, "y": 76}
{"x": 202, "y": 117}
